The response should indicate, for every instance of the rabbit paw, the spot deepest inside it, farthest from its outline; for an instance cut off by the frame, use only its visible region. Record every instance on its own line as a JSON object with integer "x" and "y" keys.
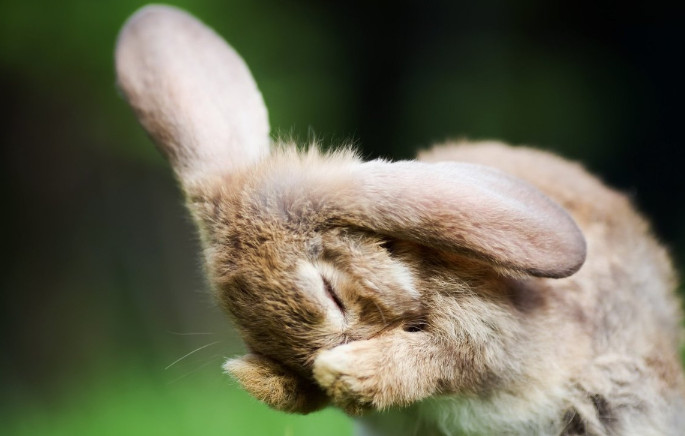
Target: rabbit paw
{"x": 353, "y": 376}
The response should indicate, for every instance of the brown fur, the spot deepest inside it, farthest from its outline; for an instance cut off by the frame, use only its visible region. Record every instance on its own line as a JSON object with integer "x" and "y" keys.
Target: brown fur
{"x": 478, "y": 332}
{"x": 512, "y": 293}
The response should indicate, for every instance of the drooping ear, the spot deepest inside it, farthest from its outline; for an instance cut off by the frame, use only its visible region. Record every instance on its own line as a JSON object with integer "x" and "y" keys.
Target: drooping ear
{"x": 191, "y": 92}
{"x": 466, "y": 208}
{"x": 276, "y": 386}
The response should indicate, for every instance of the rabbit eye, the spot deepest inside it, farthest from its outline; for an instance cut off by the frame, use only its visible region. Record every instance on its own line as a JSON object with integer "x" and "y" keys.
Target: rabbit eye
{"x": 389, "y": 246}
{"x": 332, "y": 294}
{"x": 415, "y": 327}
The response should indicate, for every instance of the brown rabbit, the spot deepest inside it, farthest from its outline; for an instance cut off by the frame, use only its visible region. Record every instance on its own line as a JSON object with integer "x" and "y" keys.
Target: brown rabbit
{"x": 484, "y": 290}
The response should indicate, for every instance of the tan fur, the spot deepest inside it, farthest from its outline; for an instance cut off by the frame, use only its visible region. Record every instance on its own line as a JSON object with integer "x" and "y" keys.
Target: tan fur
{"x": 511, "y": 293}
{"x": 269, "y": 382}
{"x": 601, "y": 342}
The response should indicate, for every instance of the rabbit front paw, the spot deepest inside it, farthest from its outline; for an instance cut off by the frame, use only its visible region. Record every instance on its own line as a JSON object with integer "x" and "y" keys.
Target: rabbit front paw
{"x": 353, "y": 377}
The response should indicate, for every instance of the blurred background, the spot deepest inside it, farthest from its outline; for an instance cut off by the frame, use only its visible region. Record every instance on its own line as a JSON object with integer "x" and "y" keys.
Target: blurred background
{"x": 102, "y": 291}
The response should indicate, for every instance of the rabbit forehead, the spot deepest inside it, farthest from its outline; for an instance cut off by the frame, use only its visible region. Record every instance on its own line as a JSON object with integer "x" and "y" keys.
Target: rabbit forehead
{"x": 301, "y": 187}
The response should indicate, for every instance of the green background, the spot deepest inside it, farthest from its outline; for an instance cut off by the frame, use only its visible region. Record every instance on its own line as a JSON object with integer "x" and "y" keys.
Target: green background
{"x": 101, "y": 284}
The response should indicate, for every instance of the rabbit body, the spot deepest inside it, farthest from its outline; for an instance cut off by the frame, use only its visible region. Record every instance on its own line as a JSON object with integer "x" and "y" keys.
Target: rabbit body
{"x": 613, "y": 327}
{"x": 467, "y": 347}
{"x": 483, "y": 289}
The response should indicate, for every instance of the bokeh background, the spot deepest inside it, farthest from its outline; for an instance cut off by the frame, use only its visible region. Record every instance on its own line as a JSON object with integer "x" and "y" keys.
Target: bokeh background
{"x": 102, "y": 291}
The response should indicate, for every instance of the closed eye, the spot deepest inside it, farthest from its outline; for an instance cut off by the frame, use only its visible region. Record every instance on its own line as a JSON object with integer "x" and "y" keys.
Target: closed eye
{"x": 332, "y": 295}
{"x": 389, "y": 246}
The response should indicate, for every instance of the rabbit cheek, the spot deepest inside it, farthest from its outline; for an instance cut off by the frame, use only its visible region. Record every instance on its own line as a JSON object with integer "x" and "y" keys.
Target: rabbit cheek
{"x": 276, "y": 322}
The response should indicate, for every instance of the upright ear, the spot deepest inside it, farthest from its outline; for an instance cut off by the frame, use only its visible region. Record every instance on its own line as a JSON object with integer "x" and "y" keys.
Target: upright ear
{"x": 192, "y": 93}
{"x": 466, "y": 208}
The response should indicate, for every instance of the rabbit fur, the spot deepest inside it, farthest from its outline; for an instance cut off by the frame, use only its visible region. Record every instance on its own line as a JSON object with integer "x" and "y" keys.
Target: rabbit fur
{"x": 482, "y": 289}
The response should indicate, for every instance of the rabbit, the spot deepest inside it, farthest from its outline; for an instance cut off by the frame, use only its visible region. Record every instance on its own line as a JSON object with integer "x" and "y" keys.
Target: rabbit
{"x": 482, "y": 289}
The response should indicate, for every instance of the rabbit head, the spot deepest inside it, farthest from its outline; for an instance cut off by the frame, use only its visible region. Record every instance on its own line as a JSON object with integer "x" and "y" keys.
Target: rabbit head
{"x": 326, "y": 262}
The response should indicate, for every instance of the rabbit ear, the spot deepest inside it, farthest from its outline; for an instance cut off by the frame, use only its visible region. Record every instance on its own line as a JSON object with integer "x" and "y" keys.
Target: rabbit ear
{"x": 466, "y": 208}
{"x": 191, "y": 91}
{"x": 276, "y": 386}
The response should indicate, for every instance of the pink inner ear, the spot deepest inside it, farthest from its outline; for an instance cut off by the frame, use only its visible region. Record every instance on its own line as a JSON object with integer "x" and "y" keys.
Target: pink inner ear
{"x": 191, "y": 91}
{"x": 468, "y": 208}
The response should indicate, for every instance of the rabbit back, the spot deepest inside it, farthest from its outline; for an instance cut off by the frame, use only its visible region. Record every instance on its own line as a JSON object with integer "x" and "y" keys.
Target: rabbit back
{"x": 622, "y": 302}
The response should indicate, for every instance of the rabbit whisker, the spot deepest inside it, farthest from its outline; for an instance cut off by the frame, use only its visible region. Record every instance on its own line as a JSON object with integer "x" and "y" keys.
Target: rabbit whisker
{"x": 211, "y": 360}
{"x": 192, "y": 352}
{"x": 191, "y": 333}
{"x": 380, "y": 311}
